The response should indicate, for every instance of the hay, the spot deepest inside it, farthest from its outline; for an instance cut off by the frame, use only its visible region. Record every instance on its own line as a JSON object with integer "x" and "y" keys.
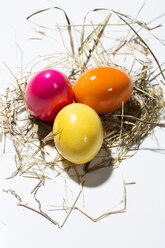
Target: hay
{"x": 124, "y": 129}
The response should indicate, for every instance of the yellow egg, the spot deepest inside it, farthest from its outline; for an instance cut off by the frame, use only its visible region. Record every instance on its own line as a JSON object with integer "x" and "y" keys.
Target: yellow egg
{"x": 79, "y": 133}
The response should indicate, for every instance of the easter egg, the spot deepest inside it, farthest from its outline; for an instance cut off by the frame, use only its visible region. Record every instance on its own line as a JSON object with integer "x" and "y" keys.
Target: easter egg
{"x": 78, "y": 133}
{"x": 103, "y": 89}
{"x": 47, "y": 92}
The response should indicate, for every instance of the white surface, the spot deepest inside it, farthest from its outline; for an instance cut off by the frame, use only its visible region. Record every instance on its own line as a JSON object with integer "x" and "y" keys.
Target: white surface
{"x": 143, "y": 224}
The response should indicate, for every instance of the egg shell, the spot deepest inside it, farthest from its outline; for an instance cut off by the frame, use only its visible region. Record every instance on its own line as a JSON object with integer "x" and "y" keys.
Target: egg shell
{"x": 47, "y": 92}
{"x": 78, "y": 133}
{"x": 103, "y": 89}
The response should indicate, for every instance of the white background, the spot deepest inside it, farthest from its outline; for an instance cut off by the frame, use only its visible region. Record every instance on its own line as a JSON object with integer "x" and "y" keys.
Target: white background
{"x": 143, "y": 225}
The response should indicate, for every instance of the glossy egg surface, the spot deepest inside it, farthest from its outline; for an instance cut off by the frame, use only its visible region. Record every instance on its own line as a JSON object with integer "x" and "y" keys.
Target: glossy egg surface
{"x": 79, "y": 133}
{"x": 47, "y": 92}
{"x": 103, "y": 89}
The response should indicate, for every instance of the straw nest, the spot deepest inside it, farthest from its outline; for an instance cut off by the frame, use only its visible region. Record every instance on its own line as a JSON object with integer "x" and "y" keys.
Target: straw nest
{"x": 116, "y": 41}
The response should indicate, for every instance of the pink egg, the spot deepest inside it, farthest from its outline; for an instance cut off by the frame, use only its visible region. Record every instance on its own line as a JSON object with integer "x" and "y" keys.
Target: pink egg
{"x": 48, "y": 92}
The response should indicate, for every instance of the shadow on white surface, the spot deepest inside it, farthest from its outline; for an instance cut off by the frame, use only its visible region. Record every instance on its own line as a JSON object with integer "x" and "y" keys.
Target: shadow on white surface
{"x": 96, "y": 177}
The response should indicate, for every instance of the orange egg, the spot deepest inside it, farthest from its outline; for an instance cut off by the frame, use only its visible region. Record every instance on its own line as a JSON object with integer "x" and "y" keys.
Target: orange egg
{"x": 103, "y": 89}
